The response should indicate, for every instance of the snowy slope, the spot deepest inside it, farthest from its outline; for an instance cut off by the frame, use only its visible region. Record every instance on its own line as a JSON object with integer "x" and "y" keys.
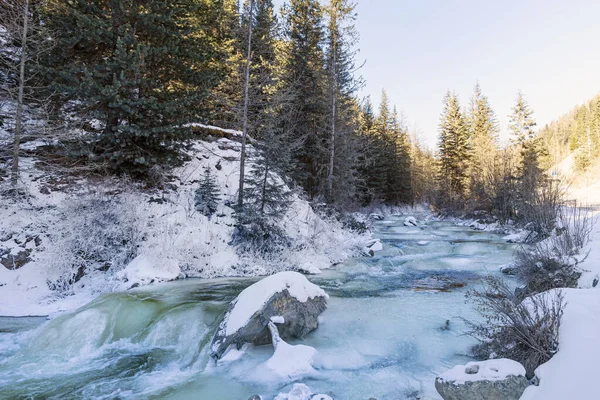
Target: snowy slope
{"x": 168, "y": 236}
{"x": 572, "y": 372}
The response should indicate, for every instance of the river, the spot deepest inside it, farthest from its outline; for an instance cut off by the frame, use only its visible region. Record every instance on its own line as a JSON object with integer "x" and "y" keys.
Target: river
{"x": 385, "y": 334}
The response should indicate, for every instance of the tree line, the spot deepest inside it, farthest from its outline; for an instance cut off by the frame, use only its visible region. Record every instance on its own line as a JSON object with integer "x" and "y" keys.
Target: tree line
{"x": 577, "y": 132}
{"x": 477, "y": 173}
{"x": 118, "y": 81}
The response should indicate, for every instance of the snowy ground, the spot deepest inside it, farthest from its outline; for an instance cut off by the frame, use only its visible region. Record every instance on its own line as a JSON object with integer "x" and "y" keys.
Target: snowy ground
{"x": 572, "y": 372}
{"x": 168, "y": 238}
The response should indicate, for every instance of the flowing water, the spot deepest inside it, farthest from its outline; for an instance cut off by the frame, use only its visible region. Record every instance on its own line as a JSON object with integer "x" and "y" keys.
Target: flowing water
{"x": 385, "y": 333}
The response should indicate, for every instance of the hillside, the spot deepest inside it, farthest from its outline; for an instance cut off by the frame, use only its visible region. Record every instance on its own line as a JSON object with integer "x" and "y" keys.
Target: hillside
{"x": 71, "y": 238}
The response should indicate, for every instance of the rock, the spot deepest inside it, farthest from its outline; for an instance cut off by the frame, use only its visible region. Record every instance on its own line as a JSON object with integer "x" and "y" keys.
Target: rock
{"x": 500, "y": 379}
{"x": 320, "y": 396}
{"x": 12, "y": 261}
{"x": 410, "y": 221}
{"x": 286, "y": 294}
{"x": 298, "y": 392}
{"x": 302, "y": 392}
{"x": 437, "y": 283}
{"x": 372, "y": 246}
{"x": 255, "y": 397}
{"x": 376, "y": 217}
{"x": 508, "y": 269}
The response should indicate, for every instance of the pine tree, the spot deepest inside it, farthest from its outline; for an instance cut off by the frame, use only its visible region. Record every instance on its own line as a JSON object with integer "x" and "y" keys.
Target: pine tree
{"x": 207, "y": 194}
{"x": 342, "y": 38}
{"x": 521, "y": 125}
{"x": 454, "y": 152}
{"x": 483, "y": 131}
{"x": 305, "y": 78}
{"x": 403, "y": 182}
{"x": 139, "y": 70}
{"x": 225, "y": 103}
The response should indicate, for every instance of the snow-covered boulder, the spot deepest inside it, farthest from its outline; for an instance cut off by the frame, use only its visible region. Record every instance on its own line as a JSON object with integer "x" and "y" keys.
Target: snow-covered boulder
{"x": 286, "y": 294}
{"x": 500, "y": 379}
{"x": 372, "y": 246}
{"x": 410, "y": 221}
{"x": 301, "y": 392}
{"x": 376, "y": 217}
{"x": 143, "y": 270}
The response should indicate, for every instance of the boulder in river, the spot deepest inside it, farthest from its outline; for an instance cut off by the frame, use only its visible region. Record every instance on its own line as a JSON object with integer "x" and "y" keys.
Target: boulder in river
{"x": 500, "y": 379}
{"x": 410, "y": 221}
{"x": 286, "y": 294}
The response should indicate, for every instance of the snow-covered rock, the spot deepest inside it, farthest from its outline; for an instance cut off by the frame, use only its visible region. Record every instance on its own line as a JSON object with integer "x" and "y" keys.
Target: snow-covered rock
{"x": 143, "y": 270}
{"x": 376, "y": 217}
{"x": 288, "y": 295}
{"x": 372, "y": 246}
{"x": 301, "y": 392}
{"x": 289, "y": 361}
{"x": 500, "y": 379}
{"x": 410, "y": 221}
{"x": 508, "y": 269}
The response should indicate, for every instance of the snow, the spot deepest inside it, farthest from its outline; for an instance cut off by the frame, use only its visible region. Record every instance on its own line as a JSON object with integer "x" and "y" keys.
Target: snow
{"x": 517, "y": 237}
{"x": 301, "y": 392}
{"x": 490, "y": 370}
{"x": 410, "y": 221}
{"x": 289, "y": 361}
{"x": 573, "y": 370}
{"x": 254, "y": 297}
{"x": 172, "y": 239}
{"x": 143, "y": 270}
{"x": 278, "y": 319}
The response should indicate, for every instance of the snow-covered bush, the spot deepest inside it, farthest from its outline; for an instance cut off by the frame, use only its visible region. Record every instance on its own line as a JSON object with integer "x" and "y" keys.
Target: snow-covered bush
{"x": 524, "y": 331}
{"x": 553, "y": 262}
{"x": 99, "y": 231}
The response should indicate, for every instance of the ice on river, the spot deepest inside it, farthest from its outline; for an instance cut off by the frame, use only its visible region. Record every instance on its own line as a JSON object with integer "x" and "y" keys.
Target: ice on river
{"x": 379, "y": 337}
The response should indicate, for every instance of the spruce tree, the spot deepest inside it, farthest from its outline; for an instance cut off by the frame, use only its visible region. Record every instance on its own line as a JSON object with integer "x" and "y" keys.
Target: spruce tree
{"x": 483, "y": 131}
{"x": 454, "y": 153}
{"x": 403, "y": 181}
{"x": 225, "y": 103}
{"x": 139, "y": 70}
{"x": 340, "y": 53}
{"x": 521, "y": 125}
{"x": 305, "y": 78}
{"x": 207, "y": 194}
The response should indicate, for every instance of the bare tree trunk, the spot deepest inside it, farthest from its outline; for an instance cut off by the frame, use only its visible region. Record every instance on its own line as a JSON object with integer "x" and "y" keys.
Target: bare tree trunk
{"x": 19, "y": 117}
{"x": 332, "y": 135}
{"x": 245, "y": 119}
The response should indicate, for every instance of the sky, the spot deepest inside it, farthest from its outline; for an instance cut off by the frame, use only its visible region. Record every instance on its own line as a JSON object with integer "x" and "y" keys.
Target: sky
{"x": 417, "y": 50}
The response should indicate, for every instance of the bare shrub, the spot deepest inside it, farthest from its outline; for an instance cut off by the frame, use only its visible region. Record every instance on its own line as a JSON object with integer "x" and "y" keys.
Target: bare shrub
{"x": 552, "y": 263}
{"x": 525, "y": 331}
{"x": 99, "y": 231}
{"x": 540, "y": 211}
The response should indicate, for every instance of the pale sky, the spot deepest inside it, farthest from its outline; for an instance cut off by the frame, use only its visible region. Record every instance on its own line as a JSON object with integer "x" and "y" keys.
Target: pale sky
{"x": 419, "y": 49}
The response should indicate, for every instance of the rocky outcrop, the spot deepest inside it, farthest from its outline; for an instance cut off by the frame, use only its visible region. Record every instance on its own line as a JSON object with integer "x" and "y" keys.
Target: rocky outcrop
{"x": 288, "y": 295}
{"x": 501, "y": 379}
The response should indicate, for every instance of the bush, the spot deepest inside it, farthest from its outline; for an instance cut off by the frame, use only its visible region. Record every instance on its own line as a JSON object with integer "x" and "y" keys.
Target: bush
{"x": 259, "y": 235}
{"x": 525, "y": 331}
{"x": 552, "y": 263}
{"x": 542, "y": 208}
{"x": 98, "y": 232}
